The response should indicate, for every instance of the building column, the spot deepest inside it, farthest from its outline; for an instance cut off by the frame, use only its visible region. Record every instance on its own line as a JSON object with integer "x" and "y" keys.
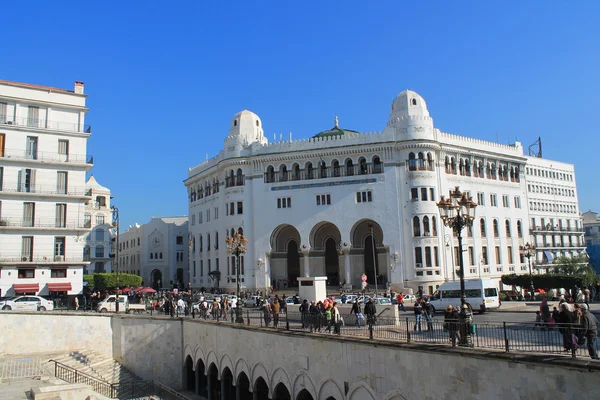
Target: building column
{"x": 267, "y": 272}
{"x": 347, "y": 274}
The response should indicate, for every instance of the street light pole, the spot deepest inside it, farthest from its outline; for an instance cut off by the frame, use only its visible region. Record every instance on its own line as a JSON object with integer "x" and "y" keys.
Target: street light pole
{"x": 237, "y": 245}
{"x": 528, "y": 250}
{"x": 115, "y": 220}
{"x": 457, "y": 212}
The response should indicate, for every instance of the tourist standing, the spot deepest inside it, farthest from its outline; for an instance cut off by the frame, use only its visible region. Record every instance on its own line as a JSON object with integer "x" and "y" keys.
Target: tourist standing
{"x": 418, "y": 310}
{"x": 357, "y": 313}
{"x": 589, "y": 330}
{"x": 370, "y": 312}
{"x": 275, "y": 307}
{"x": 451, "y": 323}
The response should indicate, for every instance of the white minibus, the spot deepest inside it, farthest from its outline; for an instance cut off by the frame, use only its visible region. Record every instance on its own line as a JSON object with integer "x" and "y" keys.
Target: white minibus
{"x": 482, "y": 295}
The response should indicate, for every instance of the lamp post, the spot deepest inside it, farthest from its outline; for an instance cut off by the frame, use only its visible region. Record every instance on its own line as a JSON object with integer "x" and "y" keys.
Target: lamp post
{"x": 528, "y": 251}
{"x": 374, "y": 259}
{"x": 457, "y": 212}
{"x": 237, "y": 245}
{"x": 115, "y": 224}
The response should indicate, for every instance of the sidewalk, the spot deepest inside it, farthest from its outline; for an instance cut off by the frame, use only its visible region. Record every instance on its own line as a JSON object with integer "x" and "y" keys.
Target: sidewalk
{"x": 533, "y": 306}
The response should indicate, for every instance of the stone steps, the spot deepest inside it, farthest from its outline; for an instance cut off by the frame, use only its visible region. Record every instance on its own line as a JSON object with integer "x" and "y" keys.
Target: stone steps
{"x": 99, "y": 366}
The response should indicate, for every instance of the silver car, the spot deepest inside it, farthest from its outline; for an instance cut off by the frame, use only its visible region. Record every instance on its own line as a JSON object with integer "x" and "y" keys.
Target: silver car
{"x": 26, "y": 303}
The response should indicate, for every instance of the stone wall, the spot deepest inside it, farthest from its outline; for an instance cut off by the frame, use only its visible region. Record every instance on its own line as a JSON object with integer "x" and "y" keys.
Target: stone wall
{"x": 36, "y": 333}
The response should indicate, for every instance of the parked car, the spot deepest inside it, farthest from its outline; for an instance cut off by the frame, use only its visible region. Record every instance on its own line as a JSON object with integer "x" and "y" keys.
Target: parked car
{"x": 26, "y": 303}
{"x": 509, "y": 295}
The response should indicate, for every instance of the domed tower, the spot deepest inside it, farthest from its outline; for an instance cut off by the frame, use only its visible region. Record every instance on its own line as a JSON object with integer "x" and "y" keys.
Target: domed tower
{"x": 410, "y": 118}
{"x": 245, "y": 129}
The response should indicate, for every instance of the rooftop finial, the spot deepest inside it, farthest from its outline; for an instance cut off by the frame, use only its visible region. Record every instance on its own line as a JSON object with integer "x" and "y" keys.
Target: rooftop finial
{"x": 336, "y": 122}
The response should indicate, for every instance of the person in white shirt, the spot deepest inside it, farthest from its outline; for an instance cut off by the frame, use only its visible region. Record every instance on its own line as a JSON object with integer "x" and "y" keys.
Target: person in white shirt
{"x": 180, "y": 305}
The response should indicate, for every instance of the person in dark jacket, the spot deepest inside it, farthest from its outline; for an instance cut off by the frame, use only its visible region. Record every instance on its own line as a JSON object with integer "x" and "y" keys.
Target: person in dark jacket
{"x": 451, "y": 323}
{"x": 357, "y": 313}
{"x": 304, "y": 310}
{"x": 589, "y": 330}
{"x": 428, "y": 312}
{"x": 566, "y": 319}
{"x": 418, "y": 309}
{"x": 370, "y": 312}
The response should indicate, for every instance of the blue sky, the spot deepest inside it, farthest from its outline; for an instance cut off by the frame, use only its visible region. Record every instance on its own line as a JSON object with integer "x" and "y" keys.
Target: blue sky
{"x": 165, "y": 78}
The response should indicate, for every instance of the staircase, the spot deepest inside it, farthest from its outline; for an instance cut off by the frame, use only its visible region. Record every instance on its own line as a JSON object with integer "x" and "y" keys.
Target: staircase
{"x": 99, "y": 366}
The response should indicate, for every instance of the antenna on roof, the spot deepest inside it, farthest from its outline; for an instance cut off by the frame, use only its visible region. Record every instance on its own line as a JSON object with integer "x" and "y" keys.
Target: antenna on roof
{"x": 274, "y": 137}
{"x": 535, "y": 150}
{"x": 290, "y": 137}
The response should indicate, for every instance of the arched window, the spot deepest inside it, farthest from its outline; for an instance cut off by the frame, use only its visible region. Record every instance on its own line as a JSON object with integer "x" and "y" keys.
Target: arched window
{"x": 416, "y": 227}
{"x": 296, "y": 172}
{"x": 447, "y": 164}
{"x": 270, "y": 175}
{"x": 517, "y": 176}
{"x": 200, "y": 192}
{"x": 429, "y": 162}
{"x": 349, "y": 168}
{"x": 414, "y": 102}
{"x": 232, "y": 232}
{"x": 336, "y": 168}
{"x": 377, "y": 165}
{"x": 200, "y": 243}
{"x": 283, "y": 173}
{"x": 412, "y": 164}
{"x": 362, "y": 166}
{"x": 482, "y": 227}
{"x": 322, "y": 170}
{"x": 421, "y": 162}
{"x": 496, "y": 229}
{"x": 241, "y": 230}
{"x": 257, "y": 123}
{"x": 433, "y": 226}
{"x": 309, "y": 170}
{"x": 493, "y": 171}
{"x": 426, "y": 230}
{"x": 239, "y": 179}
{"x": 461, "y": 167}
{"x": 208, "y": 242}
{"x": 507, "y": 225}
{"x": 519, "y": 229}
{"x": 467, "y": 167}
{"x": 216, "y": 240}
{"x": 453, "y": 165}
{"x": 235, "y": 122}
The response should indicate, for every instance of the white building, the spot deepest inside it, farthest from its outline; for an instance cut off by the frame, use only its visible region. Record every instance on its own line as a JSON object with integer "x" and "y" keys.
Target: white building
{"x": 98, "y": 217}
{"x": 156, "y": 251}
{"x": 43, "y": 156}
{"x": 315, "y": 206}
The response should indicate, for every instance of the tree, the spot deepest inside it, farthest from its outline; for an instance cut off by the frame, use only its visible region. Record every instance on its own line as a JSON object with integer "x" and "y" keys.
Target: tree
{"x": 576, "y": 265}
{"x": 109, "y": 281}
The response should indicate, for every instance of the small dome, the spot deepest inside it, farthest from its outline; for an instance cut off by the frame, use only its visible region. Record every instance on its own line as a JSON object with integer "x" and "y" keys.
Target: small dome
{"x": 246, "y": 127}
{"x": 246, "y": 118}
{"x": 93, "y": 184}
{"x": 409, "y": 103}
{"x": 335, "y": 131}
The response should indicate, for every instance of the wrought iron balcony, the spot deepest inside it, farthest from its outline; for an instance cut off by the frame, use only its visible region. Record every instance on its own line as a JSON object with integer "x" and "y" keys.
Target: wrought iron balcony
{"x": 40, "y": 258}
{"x": 44, "y": 189}
{"x": 555, "y": 229}
{"x": 323, "y": 172}
{"x": 40, "y": 123}
{"x": 236, "y": 180}
{"x": 44, "y": 223}
{"x": 46, "y": 156}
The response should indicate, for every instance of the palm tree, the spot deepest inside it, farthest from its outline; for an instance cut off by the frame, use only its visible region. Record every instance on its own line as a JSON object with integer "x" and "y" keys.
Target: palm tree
{"x": 576, "y": 265}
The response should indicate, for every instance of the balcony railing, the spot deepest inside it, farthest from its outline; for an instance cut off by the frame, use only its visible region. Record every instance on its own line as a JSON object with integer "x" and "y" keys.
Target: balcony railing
{"x": 39, "y": 258}
{"x": 322, "y": 173}
{"x": 237, "y": 180}
{"x": 47, "y": 156}
{"x": 560, "y": 245}
{"x": 40, "y": 223}
{"x": 40, "y": 123}
{"x": 555, "y": 229}
{"x": 44, "y": 189}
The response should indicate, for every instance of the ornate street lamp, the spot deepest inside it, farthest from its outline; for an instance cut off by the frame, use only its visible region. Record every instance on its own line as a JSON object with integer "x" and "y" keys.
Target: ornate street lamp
{"x": 237, "y": 245}
{"x": 457, "y": 212}
{"x": 115, "y": 224}
{"x": 528, "y": 251}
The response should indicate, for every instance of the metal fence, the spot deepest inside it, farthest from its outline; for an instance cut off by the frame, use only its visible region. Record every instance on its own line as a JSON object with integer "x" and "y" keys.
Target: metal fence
{"x": 507, "y": 336}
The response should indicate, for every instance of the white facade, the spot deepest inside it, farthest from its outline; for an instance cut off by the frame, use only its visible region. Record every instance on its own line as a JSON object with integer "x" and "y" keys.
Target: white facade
{"x": 44, "y": 161}
{"x": 98, "y": 217}
{"x": 311, "y": 207}
{"x": 157, "y": 251}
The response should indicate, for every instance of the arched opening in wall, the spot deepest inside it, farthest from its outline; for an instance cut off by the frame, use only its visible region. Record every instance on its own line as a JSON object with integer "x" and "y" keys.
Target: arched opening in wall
{"x": 371, "y": 262}
{"x": 332, "y": 262}
{"x": 156, "y": 279}
{"x": 190, "y": 375}
{"x": 296, "y": 172}
{"x": 363, "y": 234}
{"x": 283, "y": 173}
{"x": 261, "y": 390}
{"x": 304, "y": 395}
{"x": 243, "y": 387}
{"x": 293, "y": 263}
{"x": 349, "y": 168}
{"x": 214, "y": 385}
{"x": 228, "y": 388}
{"x": 201, "y": 382}
{"x": 281, "y": 392}
{"x": 336, "y": 168}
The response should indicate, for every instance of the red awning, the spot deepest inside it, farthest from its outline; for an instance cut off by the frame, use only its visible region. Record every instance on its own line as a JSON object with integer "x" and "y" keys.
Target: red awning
{"x": 26, "y": 287}
{"x": 59, "y": 287}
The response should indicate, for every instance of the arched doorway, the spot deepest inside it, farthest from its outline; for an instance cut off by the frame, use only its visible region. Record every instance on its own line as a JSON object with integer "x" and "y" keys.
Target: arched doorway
{"x": 304, "y": 395}
{"x": 293, "y": 263}
{"x": 156, "y": 279}
{"x": 228, "y": 390}
{"x": 261, "y": 390}
{"x": 281, "y": 392}
{"x": 243, "y": 387}
{"x": 214, "y": 387}
{"x": 201, "y": 382}
{"x": 370, "y": 260}
{"x": 332, "y": 262}
{"x": 364, "y": 234}
{"x": 324, "y": 241}
{"x": 190, "y": 375}
{"x": 285, "y": 259}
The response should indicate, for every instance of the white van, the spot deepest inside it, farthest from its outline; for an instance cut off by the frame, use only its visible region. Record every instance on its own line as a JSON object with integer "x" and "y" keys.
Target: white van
{"x": 482, "y": 295}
